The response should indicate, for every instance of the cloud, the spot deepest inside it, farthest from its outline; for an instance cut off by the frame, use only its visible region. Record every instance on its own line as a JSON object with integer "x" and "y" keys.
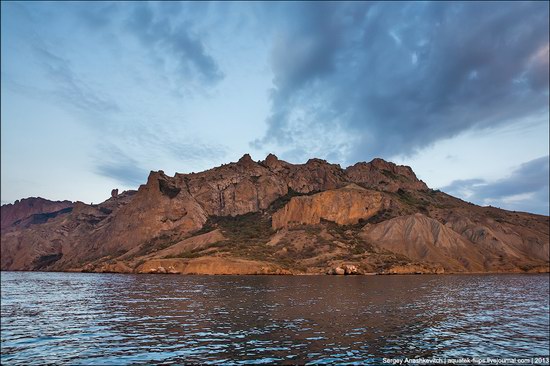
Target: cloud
{"x": 397, "y": 77}
{"x": 28, "y": 45}
{"x": 69, "y": 87}
{"x": 173, "y": 42}
{"x": 139, "y": 136}
{"x": 166, "y": 34}
{"x": 193, "y": 152}
{"x": 115, "y": 164}
{"x": 97, "y": 15}
{"x": 127, "y": 157}
{"x": 525, "y": 189}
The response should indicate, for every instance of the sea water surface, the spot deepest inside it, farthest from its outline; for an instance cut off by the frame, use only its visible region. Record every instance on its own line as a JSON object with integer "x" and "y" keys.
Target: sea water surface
{"x": 106, "y": 319}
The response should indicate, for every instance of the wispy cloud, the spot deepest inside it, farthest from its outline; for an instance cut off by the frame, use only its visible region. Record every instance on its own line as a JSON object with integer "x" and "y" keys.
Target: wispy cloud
{"x": 117, "y": 165}
{"x": 69, "y": 87}
{"x": 525, "y": 189}
{"x": 197, "y": 151}
{"x": 129, "y": 158}
{"x": 173, "y": 42}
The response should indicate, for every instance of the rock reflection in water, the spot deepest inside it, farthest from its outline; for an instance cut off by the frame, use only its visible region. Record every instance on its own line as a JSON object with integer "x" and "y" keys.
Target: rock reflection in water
{"x": 128, "y": 319}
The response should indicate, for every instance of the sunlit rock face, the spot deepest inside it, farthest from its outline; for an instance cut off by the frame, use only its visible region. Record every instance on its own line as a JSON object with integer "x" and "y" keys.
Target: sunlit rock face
{"x": 343, "y": 206}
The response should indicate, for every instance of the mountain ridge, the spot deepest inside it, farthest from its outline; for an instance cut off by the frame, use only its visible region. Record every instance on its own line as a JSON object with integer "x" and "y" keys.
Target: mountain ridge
{"x": 272, "y": 216}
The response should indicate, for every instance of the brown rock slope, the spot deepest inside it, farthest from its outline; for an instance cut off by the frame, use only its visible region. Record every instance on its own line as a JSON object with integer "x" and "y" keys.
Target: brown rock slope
{"x": 275, "y": 217}
{"x": 427, "y": 240}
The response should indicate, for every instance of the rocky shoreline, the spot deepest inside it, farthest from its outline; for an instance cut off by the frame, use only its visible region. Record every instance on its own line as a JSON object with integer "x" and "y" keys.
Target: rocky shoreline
{"x": 330, "y": 272}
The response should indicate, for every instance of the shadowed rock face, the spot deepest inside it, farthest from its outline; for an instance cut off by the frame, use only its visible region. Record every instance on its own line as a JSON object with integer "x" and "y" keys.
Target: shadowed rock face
{"x": 274, "y": 217}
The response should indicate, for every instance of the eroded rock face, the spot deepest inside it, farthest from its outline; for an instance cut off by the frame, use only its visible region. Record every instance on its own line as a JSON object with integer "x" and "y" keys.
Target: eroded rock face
{"x": 343, "y": 206}
{"x": 503, "y": 239}
{"x": 234, "y": 189}
{"x": 424, "y": 239}
{"x": 248, "y": 186}
{"x": 159, "y": 206}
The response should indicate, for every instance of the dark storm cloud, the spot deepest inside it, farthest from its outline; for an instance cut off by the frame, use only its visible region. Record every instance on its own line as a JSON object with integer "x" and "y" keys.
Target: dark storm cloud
{"x": 530, "y": 180}
{"x": 400, "y": 76}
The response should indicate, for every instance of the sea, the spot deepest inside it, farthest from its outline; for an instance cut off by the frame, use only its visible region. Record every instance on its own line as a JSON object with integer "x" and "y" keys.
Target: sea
{"x": 123, "y": 319}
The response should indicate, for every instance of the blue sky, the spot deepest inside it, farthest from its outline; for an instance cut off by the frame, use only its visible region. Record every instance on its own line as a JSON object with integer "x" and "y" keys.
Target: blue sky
{"x": 97, "y": 94}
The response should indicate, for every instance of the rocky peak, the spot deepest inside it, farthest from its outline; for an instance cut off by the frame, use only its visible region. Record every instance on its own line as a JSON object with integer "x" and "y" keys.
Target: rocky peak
{"x": 160, "y": 183}
{"x": 316, "y": 161}
{"x": 382, "y": 164}
{"x": 271, "y": 158}
{"x": 274, "y": 164}
{"x": 384, "y": 175}
{"x": 246, "y": 160}
{"x": 271, "y": 161}
{"x": 379, "y": 163}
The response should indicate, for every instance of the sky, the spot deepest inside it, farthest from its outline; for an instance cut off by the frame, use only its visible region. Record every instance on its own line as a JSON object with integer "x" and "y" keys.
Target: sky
{"x": 94, "y": 95}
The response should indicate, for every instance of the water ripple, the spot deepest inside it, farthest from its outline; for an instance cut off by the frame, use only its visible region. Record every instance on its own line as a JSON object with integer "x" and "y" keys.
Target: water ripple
{"x": 104, "y": 319}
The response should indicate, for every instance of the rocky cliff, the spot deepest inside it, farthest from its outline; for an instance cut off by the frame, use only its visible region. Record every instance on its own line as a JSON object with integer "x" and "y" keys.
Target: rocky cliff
{"x": 271, "y": 216}
{"x": 343, "y": 206}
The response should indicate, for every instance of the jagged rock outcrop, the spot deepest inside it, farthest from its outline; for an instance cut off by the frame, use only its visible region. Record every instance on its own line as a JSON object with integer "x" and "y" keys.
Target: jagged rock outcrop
{"x": 383, "y": 175}
{"x": 158, "y": 206}
{"x": 248, "y": 186}
{"x": 235, "y": 188}
{"x": 273, "y": 217}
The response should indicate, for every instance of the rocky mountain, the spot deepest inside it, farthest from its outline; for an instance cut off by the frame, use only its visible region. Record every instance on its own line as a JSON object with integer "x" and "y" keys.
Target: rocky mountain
{"x": 275, "y": 217}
